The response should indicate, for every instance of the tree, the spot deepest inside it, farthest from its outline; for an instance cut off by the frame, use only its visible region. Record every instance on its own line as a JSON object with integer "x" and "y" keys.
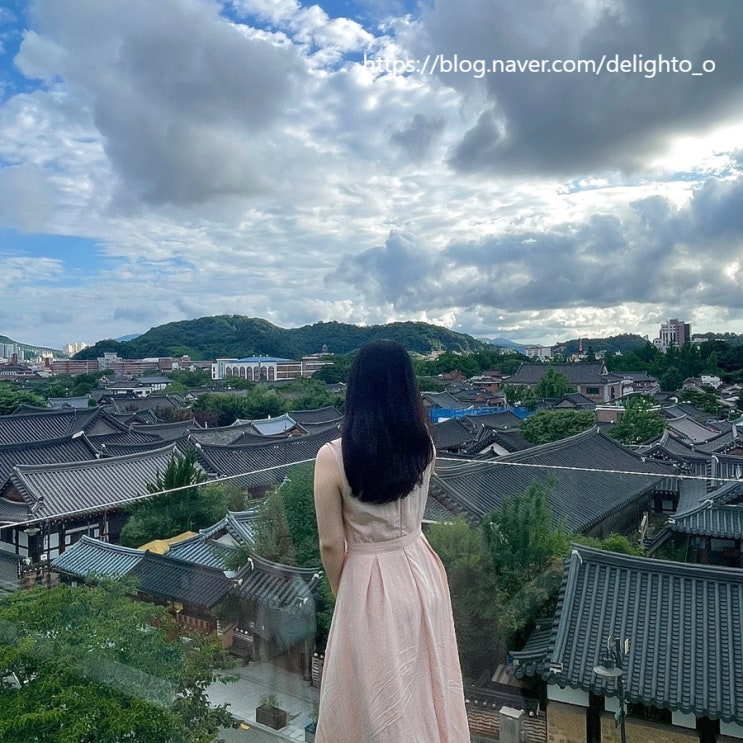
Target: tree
{"x": 11, "y": 397}
{"x": 552, "y": 384}
{"x": 88, "y": 664}
{"x": 474, "y": 595}
{"x": 273, "y": 540}
{"x": 185, "y": 509}
{"x": 520, "y": 395}
{"x": 671, "y": 380}
{"x": 553, "y": 425}
{"x": 641, "y": 421}
{"x": 522, "y": 537}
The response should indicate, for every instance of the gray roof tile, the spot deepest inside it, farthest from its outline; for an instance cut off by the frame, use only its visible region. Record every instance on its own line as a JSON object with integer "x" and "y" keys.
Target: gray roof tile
{"x": 709, "y": 519}
{"x": 75, "y": 448}
{"x": 683, "y": 622}
{"x": 92, "y": 557}
{"x": 59, "y": 490}
{"x": 591, "y": 487}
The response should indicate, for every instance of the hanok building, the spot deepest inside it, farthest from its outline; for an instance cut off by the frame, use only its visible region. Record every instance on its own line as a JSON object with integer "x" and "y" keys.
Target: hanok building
{"x": 46, "y": 508}
{"x": 681, "y": 673}
{"x": 715, "y": 533}
{"x": 594, "y": 484}
{"x": 588, "y": 378}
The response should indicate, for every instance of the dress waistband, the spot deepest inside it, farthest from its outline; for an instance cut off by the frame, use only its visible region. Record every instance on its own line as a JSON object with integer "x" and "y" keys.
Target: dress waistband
{"x": 387, "y": 546}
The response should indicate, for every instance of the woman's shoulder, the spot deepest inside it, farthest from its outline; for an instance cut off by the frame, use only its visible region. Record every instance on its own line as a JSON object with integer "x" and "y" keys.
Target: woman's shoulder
{"x": 329, "y": 449}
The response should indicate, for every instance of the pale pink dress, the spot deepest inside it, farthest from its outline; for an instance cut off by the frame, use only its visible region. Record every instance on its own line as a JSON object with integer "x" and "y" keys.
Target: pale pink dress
{"x": 391, "y": 672}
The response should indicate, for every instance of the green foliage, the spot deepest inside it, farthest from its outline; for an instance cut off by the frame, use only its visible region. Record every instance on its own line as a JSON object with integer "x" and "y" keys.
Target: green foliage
{"x": 522, "y": 537}
{"x": 189, "y": 378}
{"x": 706, "y": 400}
{"x": 226, "y": 336}
{"x": 94, "y": 666}
{"x": 553, "y": 425}
{"x": 273, "y": 540}
{"x": 259, "y": 402}
{"x": 11, "y": 397}
{"x": 641, "y": 421}
{"x": 171, "y": 513}
{"x": 613, "y": 543}
{"x": 520, "y": 395}
{"x": 671, "y": 380}
{"x": 553, "y": 384}
{"x": 65, "y": 385}
{"x": 299, "y": 506}
{"x": 474, "y": 593}
{"x": 336, "y": 371}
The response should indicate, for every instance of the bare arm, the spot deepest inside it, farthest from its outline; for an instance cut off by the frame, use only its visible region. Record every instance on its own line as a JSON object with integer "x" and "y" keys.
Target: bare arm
{"x": 328, "y": 488}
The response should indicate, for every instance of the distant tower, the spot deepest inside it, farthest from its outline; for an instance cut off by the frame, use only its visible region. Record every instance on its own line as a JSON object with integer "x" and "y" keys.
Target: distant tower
{"x": 580, "y": 345}
{"x": 324, "y": 348}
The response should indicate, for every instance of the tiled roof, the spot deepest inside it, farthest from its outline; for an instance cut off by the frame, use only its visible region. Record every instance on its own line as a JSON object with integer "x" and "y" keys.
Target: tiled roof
{"x": 275, "y": 584}
{"x": 328, "y": 414}
{"x": 59, "y": 490}
{"x": 220, "y": 435}
{"x": 711, "y": 520}
{"x": 39, "y": 424}
{"x": 167, "y": 431}
{"x": 202, "y": 550}
{"x": 591, "y": 487}
{"x": 443, "y": 400}
{"x": 275, "y": 426}
{"x": 579, "y": 373}
{"x": 689, "y": 429}
{"x": 169, "y": 578}
{"x": 510, "y": 440}
{"x": 122, "y": 450}
{"x": 216, "y": 544}
{"x": 92, "y": 557}
{"x": 80, "y": 402}
{"x": 502, "y": 420}
{"x": 130, "y": 437}
{"x": 226, "y": 461}
{"x": 451, "y": 434}
{"x": 723, "y": 442}
{"x": 683, "y": 622}
{"x": 694, "y": 494}
{"x": 436, "y": 512}
{"x": 75, "y": 448}
{"x": 576, "y": 400}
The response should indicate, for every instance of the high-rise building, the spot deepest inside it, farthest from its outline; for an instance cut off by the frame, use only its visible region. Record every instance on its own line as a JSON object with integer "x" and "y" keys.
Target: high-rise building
{"x": 673, "y": 333}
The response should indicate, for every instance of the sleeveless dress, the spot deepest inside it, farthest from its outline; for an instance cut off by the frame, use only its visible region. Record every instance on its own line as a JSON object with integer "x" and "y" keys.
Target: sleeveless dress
{"x": 391, "y": 672}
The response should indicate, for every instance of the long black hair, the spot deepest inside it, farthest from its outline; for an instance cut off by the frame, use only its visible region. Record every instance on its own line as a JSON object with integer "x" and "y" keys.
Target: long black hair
{"x": 386, "y": 443}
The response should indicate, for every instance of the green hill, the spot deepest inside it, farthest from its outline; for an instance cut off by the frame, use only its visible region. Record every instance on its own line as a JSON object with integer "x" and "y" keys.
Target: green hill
{"x": 225, "y": 336}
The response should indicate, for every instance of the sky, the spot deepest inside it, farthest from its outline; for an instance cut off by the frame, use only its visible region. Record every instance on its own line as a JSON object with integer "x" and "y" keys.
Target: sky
{"x": 517, "y": 169}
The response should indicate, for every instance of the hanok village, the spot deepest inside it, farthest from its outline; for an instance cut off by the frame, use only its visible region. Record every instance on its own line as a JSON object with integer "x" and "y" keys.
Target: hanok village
{"x": 653, "y": 644}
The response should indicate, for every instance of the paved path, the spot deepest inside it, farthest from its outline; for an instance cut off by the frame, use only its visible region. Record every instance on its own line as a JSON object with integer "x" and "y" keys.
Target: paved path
{"x": 294, "y": 694}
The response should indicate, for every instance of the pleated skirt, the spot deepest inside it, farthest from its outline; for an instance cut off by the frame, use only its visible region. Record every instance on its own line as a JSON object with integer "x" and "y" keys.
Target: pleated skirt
{"x": 391, "y": 672}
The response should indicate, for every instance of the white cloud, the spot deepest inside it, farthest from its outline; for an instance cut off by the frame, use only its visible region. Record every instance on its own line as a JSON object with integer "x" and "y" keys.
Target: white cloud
{"x": 239, "y": 158}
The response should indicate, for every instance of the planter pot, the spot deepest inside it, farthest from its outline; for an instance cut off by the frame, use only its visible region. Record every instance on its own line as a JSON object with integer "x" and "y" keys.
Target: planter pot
{"x": 272, "y": 717}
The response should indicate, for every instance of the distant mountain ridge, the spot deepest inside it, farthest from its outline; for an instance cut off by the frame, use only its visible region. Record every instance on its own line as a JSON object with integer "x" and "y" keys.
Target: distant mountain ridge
{"x": 227, "y": 336}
